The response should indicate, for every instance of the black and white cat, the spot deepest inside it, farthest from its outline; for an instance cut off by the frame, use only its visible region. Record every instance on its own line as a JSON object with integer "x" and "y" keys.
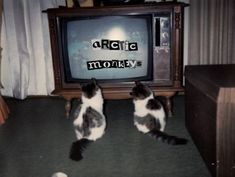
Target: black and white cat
{"x": 90, "y": 122}
{"x": 149, "y": 115}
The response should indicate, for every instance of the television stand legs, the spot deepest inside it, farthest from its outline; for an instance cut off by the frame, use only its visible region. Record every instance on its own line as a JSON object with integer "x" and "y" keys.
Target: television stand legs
{"x": 169, "y": 107}
{"x": 167, "y": 94}
{"x": 67, "y": 107}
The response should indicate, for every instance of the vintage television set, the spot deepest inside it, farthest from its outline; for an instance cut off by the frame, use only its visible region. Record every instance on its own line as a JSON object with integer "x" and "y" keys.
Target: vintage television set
{"x": 118, "y": 45}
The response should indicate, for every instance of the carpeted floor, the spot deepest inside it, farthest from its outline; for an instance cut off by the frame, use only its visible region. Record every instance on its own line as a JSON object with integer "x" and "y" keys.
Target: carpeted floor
{"x": 35, "y": 142}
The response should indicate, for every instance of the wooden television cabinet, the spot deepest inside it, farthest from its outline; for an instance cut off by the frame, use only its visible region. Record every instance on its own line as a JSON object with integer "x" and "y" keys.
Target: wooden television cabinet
{"x": 167, "y": 61}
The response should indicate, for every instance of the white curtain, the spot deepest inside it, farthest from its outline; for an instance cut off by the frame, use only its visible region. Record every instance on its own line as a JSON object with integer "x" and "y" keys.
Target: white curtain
{"x": 26, "y": 56}
{"x": 212, "y": 32}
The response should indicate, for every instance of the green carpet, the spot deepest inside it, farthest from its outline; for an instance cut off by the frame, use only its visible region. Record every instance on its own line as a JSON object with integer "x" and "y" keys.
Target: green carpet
{"x": 36, "y": 139}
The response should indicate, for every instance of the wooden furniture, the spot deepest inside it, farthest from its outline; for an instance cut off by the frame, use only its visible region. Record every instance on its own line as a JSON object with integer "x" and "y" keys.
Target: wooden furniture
{"x": 167, "y": 61}
{"x": 4, "y": 111}
{"x": 210, "y": 115}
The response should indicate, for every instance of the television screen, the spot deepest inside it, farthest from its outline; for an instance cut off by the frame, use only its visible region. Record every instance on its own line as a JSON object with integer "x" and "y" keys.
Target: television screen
{"x": 108, "y": 48}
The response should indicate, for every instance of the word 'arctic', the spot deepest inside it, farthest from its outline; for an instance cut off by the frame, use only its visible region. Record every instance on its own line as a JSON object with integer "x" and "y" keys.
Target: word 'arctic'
{"x": 106, "y": 44}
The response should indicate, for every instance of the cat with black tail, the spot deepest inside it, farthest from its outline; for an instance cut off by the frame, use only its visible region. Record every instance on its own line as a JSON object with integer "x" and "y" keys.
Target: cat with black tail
{"x": 90, "y": 122}
{"x": 150, "y": 116}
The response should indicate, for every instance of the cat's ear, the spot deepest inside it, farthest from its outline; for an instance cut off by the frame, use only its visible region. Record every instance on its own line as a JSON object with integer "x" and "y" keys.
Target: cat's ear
{"x": 82, "y": 85}
{"x": 93, "y": 80}
{"x": 138, "y": 83}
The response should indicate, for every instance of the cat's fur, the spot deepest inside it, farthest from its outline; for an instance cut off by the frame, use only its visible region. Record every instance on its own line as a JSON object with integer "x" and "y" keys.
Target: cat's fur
{"x": 149, "y": 115}
{"x": 90, "y": 122}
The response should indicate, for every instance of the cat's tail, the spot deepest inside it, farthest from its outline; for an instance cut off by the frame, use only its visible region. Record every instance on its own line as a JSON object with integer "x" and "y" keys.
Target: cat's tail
{"x": 77, "y": 149}
{"x": 162, "y": 136}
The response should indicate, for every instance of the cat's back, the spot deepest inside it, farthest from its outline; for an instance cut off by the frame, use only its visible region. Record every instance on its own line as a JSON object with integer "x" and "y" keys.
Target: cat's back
{"x": 79, "y": 116}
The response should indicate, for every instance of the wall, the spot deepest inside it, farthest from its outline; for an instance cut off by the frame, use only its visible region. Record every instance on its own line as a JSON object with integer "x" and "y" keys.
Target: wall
{"x": 186, "y": 33}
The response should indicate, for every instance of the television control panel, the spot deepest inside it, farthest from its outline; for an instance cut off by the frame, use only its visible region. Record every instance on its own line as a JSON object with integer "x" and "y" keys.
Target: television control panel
{"x": 162, "y": 32}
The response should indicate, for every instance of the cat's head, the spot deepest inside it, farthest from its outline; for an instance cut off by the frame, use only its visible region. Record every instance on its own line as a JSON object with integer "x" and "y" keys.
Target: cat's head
{"x": 140, "y": 91}
{"x": 90, "y": 89}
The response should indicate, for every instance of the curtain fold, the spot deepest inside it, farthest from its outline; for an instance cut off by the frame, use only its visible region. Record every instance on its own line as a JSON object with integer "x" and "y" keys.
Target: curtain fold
{"x": 211, "y": 32}
{"x": 27, "y": 63}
